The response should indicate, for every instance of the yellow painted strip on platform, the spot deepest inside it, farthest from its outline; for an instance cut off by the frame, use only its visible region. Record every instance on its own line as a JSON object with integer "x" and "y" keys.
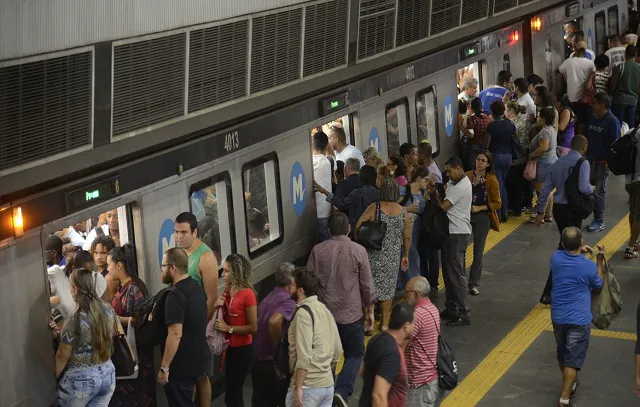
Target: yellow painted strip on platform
{"x": 628, "y": 336}
{"x": 478, "y": 383}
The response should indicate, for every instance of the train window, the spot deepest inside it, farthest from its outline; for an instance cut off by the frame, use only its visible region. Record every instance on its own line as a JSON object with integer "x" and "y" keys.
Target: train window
{"x": 263, "y": 207}
{"x": 548, "y": 55}
{"x": 427, "y": 115}
{"x": 506, "y": 63}
{"x": 210, "y": 201}
{"x": 469, "y": 71}
{"x": 613, "y": 25}
{"x": 601, "y": 32}
{"x": 397, "y": 116}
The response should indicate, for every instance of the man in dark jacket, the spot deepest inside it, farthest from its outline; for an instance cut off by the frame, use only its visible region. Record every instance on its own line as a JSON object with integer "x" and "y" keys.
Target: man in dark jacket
{"x": 351, "y": 178}
{"x": 603, "y": 130}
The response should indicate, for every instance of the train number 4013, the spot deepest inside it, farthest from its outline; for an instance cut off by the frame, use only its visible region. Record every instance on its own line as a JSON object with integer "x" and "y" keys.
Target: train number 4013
{"x": 231, "y": 141}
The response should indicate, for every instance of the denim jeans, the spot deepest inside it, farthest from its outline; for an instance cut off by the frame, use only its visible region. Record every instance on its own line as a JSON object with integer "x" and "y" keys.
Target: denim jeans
{"x": 179, "y": 392}
{"x": 323, "y": 230}
{"x": 352, "y": 338}
{"x": 423, "y": 396}
{"x": 312, "y": 396}
{"x": 92, "y": 386}
{"x": 501, "y": 165}
{"x": 625, "y": 113}
{"x": 600, "y": 176}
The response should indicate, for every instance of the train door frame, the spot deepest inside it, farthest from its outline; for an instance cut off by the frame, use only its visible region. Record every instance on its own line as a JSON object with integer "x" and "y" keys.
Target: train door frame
{"x": 481, "y": 67}
{"x": 613, "y": 10}
{"x": 403, "y": 101}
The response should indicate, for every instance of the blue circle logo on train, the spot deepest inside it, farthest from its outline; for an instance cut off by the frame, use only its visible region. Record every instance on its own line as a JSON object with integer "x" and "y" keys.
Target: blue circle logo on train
{"x": 374, "y": 139}
{"x": 590, "y": 38}
{"x": 448, "y": 115}
{"x": 166, "y": 239}
{"x": 297, "y": 187}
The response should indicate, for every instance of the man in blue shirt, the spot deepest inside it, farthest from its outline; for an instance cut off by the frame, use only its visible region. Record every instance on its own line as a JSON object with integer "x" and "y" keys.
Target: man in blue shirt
{"x": 574, "y": 277}
{"x": 499, "y": 92}
{"x": 557, "y": 179}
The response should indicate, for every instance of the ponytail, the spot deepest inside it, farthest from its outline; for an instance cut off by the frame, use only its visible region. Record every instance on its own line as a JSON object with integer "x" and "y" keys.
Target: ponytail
{"x": 127, "y": 256}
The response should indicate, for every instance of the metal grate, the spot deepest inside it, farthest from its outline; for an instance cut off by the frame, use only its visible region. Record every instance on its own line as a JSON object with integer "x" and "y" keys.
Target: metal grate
{"x": 217, "y": 64}
{"x": 325, "y": 36}
{"x": 474, "y": 10}
{"x": 502, "y": 5}
{"x": 148, "y": 82}
{"x": 275, "y": 49}
{"x": 45, "y": 108}
{"x": 445, "y": 15}
{"x": 413, "y": 21}
{"x": 375, "y": 27}
{"x": 521, "y": 2}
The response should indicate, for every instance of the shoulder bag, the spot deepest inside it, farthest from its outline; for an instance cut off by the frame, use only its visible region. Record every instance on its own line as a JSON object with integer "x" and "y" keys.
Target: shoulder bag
{"x": 216, "y": 340}
{"x": 122, "y": 356}
{"x": 371, "y": 233}
{"x": 588, "y": 94}
{"x": 530, "y": 170}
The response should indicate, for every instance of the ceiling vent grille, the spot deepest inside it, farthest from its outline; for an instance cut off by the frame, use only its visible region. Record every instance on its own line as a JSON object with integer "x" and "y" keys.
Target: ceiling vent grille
{"x": 148, "y": 82}
{"x": 521, "y": 2}
{"x": 217, "y": 64}
{"x": 275, "y": 49}
{"x": 413, "y": 21}
{"x": 45, "y": 108}
{"x": 445, "y": 15}
{"x": 503, "y": 5}
{"x": 325, "y": 36}
{"x": 474, "y": 10}
{"x": 375, "y": 27}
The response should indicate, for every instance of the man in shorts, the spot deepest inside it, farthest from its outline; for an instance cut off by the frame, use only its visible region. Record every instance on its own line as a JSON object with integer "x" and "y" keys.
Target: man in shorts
{"x": 632, "y": 185}
{"x": 574, "y": 277}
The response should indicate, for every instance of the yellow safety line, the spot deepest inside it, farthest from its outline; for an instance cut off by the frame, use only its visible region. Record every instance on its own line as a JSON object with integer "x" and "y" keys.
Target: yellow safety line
{"x": 628, "y": 336}
{"x": 478, "y": 383}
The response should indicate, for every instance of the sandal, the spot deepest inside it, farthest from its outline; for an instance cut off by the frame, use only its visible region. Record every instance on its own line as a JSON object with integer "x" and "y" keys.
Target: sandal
{"x": 631, "y": 253}
{"x": 474, "y": 291}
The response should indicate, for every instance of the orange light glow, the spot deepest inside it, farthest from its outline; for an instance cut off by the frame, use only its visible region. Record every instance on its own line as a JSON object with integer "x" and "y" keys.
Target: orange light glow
{"x": 514, "y": 37}
{"x": 18, "y": 222}
{"x": 536, "y": 24}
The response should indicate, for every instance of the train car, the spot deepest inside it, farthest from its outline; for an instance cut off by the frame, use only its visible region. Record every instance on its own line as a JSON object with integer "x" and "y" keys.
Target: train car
{"x": 264, "y": 163}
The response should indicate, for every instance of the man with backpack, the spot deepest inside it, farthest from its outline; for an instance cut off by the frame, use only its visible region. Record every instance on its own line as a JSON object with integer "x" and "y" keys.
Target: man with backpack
{"x": 314, "y": 345}
{"x": 185, "y": 316}
{"x": 565, "y": 211}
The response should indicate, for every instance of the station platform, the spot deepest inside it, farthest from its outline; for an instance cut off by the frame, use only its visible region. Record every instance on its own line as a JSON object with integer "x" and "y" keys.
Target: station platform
{"x": 506, "y": 357}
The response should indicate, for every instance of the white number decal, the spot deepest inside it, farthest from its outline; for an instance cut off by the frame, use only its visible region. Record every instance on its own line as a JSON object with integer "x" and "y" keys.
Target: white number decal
{"x": 410, "y": 73}
{"x": 231, "y": 141}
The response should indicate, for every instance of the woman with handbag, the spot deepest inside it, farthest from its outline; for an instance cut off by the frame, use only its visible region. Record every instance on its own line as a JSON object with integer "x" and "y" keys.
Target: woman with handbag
{"x": 394, "y": 249}
{"x": 543, "y": 151}
{"x": 86, "y": 346}
{"x": 131, "y": 292}
{"x": 485, "y": 202}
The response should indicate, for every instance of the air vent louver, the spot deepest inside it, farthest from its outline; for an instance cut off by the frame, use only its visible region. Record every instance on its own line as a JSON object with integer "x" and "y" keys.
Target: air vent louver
{"x": 325, "y": 36}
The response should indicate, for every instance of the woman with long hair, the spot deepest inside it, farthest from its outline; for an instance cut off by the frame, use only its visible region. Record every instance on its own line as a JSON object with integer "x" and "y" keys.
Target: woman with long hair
{"x": 400, "y": 172}
{"x": 372, "y": 157}
{"x": 485, "y": 202}
{"x": 476, "y": 129}
{"x": 543, "y": 148}
{"x": 85, "y": 350}
{"x": 395, "y": 245}
{"x": 414, "y": 201}
{"x": 500, "y": 133}
{"x": 240, "y": 323}
{"x": 518, "y": 188}
{"x": 131, "y": 292}
{"x": 566, "y": 125}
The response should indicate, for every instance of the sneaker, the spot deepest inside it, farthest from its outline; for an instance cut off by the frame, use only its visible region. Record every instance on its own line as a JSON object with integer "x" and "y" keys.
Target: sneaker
{"x": 338, "y": 401}
{"x": 459, "y": 322}
{"x": 474, "y": 291}
{"x": 630, "y": 253}
{"x": 446, "y": 315}
{"x": 595, "y": 226}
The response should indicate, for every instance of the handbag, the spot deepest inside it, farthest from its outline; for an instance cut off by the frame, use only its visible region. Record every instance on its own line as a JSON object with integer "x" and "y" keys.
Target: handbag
{"x": 131, "y": 340}
{"x": 588, "y": 95}
{"x": 122, "y": 356}
{"x": 371, "y": 233}
{"x": 517, "y": 150}
{"x": 216, "y": 340}
{"x": 530, "y": 170}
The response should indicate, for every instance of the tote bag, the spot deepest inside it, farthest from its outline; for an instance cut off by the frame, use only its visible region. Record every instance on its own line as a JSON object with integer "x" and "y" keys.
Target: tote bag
{"x": 530, "y": 170}
{"x": 122, "y": 357}
{"x": 371, "y": 234}
{"x": 131, "y": 340}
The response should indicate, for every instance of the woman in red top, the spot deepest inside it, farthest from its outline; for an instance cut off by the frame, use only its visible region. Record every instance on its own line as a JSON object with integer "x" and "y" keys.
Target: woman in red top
{"x": 240, "y": 322}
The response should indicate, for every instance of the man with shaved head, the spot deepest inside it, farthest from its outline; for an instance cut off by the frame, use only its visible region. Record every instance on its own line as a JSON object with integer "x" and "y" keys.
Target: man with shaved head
{"x": 422, "y": 350}
{"x": 574, "y": 277}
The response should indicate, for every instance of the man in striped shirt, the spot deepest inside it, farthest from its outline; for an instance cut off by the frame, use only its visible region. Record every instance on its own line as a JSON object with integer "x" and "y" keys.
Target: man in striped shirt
{"x": 422, "y": 349}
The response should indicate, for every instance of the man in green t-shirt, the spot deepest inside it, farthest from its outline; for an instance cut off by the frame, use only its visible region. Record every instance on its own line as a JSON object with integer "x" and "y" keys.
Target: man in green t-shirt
{"x": 625, "y": 82}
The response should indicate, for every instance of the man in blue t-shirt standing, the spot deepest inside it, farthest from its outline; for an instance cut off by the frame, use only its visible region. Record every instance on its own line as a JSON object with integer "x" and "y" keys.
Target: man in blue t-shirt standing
{"x": 501, "y": 91}
{"x": 574, "y": 277}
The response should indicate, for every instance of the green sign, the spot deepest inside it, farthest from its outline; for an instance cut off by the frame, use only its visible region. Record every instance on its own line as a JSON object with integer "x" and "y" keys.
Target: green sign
{"x": 91, "y": 195}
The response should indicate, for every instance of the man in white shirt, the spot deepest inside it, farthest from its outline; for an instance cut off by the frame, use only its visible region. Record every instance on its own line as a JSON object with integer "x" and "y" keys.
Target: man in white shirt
{"x": 457, "y": 204}
{"x": 322, "y": 177}
{"x": 524, "y": 99}
{"x": 576, "y": 71}
{"x": 615, "y": 53}
{"x": 344, "y": 151}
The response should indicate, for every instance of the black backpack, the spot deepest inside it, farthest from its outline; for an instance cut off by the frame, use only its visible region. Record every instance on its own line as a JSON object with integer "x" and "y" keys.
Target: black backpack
{"x": 152, "y": 329}
{"x": 281, "y": 358}
{"x": 622, "y": 155}
{"x": 581, "y": 204}
{"x": 446, "y": 365}
{"x": 435, "y": 223}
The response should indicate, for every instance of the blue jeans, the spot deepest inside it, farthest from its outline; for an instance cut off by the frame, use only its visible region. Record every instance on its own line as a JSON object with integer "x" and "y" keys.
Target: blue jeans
{"x": 92, "y": 387}
{"x": 323, "y": 230}
{"x": 352, "y": 338}
{"x": 599, "y": 176}
{"x": 312, "y": 397}
{"x": 501, "y": 165}
{"x": 625, "y": 113}
{"x": 572, "y": 344}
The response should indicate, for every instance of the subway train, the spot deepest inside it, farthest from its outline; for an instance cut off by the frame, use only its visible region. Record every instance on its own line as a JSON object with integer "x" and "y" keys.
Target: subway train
{"x": 263, "y": 164}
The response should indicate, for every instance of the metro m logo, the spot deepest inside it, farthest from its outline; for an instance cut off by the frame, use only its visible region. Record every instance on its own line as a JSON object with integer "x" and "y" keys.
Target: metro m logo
{"x": 448, "y": 115}
{"x": 168, "y": 243}
{"x": 298, "y": 189}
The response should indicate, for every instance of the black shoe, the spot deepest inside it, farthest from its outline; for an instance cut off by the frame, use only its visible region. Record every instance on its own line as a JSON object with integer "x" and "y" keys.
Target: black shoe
{"x": 446, "y": 315}
{"x": 545, "y": 299}
{"x": 338, "y": 401}
{"x": 459, "y": 322}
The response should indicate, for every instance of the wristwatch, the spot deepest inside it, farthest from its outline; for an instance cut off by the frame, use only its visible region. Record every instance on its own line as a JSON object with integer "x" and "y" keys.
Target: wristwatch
{"x": 231, "y": 331}
{"x": 164, "y": 370}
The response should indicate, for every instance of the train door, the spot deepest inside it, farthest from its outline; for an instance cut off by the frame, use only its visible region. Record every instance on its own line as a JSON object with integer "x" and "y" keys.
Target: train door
{"x": 600, "y": 25}
{"x": 397, "y": 124}
{"x": 613, "y": 26}
{"x": 427, "y": 118}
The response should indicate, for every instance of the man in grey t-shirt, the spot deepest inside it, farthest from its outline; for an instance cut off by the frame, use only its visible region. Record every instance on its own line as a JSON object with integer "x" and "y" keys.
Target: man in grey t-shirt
{"x": 457, "y": 204}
